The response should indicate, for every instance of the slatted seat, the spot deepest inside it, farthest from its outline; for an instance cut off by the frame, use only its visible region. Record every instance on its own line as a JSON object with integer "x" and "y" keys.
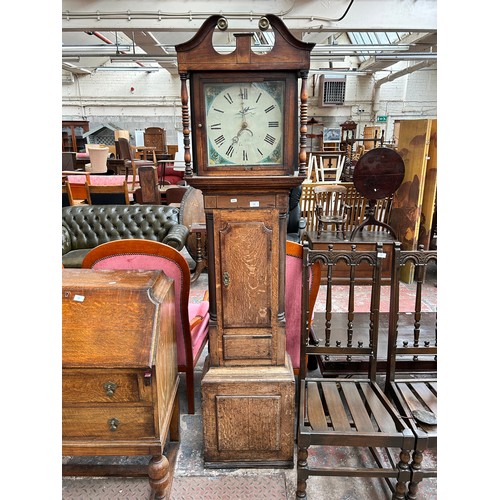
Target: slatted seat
{"x": 342, "y": 411}
{"x": 415, "y": 396}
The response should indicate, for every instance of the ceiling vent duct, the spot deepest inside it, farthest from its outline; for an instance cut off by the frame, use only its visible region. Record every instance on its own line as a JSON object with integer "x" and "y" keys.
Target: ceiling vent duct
{"x": 331, "y": 90}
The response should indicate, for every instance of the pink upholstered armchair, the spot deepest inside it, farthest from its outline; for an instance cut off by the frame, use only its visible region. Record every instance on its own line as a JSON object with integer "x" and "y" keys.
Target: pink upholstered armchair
{"x": 293, "y": 299}
{"x": 191, "y": 318}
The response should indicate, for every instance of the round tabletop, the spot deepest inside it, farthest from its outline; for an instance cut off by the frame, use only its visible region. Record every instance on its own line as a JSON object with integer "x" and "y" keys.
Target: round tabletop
{"x": 379, "y": 173}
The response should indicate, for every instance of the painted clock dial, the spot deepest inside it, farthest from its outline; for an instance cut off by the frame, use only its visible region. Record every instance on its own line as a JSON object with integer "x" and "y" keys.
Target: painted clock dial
{"x": 244, "y": 123}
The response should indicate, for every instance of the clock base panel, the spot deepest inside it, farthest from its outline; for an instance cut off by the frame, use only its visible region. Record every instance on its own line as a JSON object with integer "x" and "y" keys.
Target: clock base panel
{"x": 248, "y": 416}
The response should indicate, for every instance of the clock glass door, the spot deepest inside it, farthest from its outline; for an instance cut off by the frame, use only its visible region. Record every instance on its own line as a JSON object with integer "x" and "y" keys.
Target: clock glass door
{"x": 244, "y": 123}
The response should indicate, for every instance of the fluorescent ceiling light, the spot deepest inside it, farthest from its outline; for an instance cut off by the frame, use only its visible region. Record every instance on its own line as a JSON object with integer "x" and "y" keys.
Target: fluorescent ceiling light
{"x": 419, "y": 56}
{"x": 107, "y": 48}
{"x": 149, "y": 69}
{"x": 142, "y": 58}
{"x": 333, "y": 71}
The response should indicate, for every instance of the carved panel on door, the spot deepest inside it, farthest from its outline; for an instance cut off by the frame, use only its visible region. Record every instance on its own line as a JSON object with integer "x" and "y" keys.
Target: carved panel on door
{"x": 246, "y": 272}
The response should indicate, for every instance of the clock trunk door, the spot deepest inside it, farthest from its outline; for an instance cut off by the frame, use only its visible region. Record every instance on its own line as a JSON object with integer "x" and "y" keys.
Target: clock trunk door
{"x": 247, "y": 249}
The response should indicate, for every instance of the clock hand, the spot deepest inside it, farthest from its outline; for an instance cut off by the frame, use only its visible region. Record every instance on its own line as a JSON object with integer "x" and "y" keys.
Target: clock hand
{"x": 244, "y": 127}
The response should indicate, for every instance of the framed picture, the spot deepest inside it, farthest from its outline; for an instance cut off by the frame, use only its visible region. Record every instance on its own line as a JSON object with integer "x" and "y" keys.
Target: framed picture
{"x": 331, "y": 134}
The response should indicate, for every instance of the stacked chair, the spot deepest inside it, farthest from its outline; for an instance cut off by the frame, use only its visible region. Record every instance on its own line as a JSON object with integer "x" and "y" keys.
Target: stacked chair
{"x": 411, "y": 381}
{"x": 353, "y": 425}
{"x": 128, "y": 156}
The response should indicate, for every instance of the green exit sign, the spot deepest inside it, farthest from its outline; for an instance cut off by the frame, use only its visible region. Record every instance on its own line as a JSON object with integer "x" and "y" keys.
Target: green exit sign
{"x": 381, "y": 119}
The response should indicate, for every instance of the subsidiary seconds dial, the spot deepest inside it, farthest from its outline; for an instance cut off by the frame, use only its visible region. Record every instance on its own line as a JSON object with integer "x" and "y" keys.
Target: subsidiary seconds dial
{"x": 244, "y": 123}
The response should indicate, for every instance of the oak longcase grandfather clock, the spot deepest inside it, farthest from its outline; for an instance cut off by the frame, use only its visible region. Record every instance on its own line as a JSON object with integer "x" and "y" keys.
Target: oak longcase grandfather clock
{"x": 248, "y": 121}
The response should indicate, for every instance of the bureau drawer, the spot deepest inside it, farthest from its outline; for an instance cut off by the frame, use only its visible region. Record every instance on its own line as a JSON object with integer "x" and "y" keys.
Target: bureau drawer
{"x": 108, "y": 421}
{"x": 101, "y": 387}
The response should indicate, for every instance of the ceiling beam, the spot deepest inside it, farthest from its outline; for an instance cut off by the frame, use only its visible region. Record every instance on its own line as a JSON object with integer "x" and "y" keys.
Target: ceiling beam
{"x": 147, "y": 42}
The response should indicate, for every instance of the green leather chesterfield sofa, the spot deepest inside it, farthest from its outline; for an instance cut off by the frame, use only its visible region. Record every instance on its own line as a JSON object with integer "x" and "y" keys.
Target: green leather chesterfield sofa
{"x": 86, "y": 226}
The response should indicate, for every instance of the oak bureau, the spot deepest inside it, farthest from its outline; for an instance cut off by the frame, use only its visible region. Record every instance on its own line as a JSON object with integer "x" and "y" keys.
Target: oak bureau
{"x": 119, "y": 369}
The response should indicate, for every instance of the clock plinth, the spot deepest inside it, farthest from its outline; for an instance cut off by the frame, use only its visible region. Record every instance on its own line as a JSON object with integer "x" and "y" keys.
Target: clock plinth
{"x": 248, "y": 416}
{"x": 248, "y": 153}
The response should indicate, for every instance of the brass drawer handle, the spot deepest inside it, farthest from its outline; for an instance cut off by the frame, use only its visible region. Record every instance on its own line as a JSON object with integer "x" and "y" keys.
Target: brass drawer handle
{"x": 110, "y": 388}
{"x": 113, "y": 424}
{"x": 225, "y": 278}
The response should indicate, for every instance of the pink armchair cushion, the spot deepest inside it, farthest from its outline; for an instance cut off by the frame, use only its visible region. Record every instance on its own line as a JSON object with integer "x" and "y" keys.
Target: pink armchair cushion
{"x": 293, "y": 310}
{"x": 199, "y": 309}
{"x": 293, "y": 307}
{"x": 172, "y": 270}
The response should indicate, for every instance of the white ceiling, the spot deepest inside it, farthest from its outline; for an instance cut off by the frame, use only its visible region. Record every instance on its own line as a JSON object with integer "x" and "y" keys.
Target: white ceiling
{"x": 117, "y": 34}
{"x": 111, "y": 33}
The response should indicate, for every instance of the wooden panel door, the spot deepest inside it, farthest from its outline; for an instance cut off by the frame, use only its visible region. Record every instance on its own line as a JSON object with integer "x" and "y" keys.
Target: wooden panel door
{"x": 246, "y": 247}
{"x": 408, "y": 203}
{"x": 430, "y": 189}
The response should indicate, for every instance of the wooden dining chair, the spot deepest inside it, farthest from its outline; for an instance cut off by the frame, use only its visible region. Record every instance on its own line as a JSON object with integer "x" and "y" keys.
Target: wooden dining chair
{"x": 67, "y": 195}
{"x": 347, "y": 411}
{"x": 330, "y": 167}
{"x": 149, "y": 190}
{"x": 108, "y": 195}
{"x": 130, "y": 160}
{"x": 412, "y": 340}
{"x": 330, "y": 208}
{"x": 191, "y": 317}
{"x": 78, "y": 189}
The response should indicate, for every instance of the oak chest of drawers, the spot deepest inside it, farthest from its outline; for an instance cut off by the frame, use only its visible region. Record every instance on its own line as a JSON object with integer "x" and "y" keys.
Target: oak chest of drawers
{"x": 119, "y": 367}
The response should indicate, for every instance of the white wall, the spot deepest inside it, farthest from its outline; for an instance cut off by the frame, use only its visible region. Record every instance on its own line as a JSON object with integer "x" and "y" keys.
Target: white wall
{"x": 106, "y": 97}
{"x": 408, "y": 97}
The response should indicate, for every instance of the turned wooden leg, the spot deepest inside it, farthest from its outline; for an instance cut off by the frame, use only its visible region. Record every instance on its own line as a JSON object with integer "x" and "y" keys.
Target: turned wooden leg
{"x": 416, "y": 466}
{"x": 301, "y": 494}
{"x": 403, "y": 465}
{"x": 160, "y": 477}
{"x": 301, "y": 483}
{"x": 201, "y": 263}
